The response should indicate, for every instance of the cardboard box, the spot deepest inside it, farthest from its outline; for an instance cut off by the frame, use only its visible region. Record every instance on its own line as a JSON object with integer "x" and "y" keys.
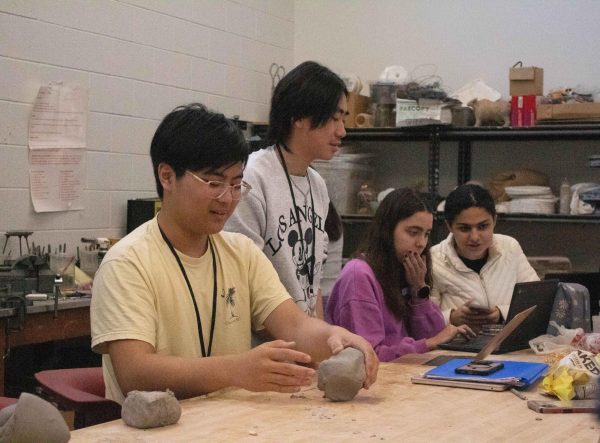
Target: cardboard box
{"x": 526, "y": 81}
{"x": 422, "y": 112}
{"x": 550, "y": 265}
{"x": 356, "y": 105}
{"x": 569, "y": 111}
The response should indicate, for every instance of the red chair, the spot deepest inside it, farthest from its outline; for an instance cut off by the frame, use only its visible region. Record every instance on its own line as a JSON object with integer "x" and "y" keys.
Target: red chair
{"x": 80, "y": 390}
{"x": 7, "y": 401}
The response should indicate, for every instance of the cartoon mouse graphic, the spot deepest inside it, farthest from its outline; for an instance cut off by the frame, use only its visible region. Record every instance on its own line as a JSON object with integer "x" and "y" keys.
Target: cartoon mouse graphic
{"x": 303, "y": 259}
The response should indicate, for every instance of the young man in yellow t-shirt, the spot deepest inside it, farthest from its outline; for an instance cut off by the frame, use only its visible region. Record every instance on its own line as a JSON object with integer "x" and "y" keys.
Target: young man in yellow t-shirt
{"x": 174, "y": 302}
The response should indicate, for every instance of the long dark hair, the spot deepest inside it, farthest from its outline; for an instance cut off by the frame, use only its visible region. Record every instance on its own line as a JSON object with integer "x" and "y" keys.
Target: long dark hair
{"x": 333, "y": 224}
{"x": 379, "y": 252}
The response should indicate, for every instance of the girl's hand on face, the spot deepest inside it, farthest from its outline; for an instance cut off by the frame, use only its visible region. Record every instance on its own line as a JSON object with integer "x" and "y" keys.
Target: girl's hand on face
{"x": 415, "y": 269}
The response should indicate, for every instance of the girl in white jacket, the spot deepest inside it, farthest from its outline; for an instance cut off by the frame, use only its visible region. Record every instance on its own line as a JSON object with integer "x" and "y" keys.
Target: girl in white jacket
{"x": 475, "y": 270}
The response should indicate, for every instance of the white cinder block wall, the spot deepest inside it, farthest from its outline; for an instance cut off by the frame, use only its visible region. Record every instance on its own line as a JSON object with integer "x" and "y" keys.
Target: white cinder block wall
{"x": 139, "y": 59}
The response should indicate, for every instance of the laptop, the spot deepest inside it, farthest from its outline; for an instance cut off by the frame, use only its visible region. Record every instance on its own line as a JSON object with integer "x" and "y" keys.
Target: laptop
{"x": 483, "y": 354}
{"x": 448, "y": 378}
{"x": 525, "y": 295}
{"x": 421, "y": 380}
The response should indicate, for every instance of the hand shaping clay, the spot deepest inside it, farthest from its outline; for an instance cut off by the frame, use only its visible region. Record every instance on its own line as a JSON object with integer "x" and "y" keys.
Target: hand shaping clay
{"x": 33, "y": 419}
{"x": 142, "y": 409}
{"x": 342, "y": 375}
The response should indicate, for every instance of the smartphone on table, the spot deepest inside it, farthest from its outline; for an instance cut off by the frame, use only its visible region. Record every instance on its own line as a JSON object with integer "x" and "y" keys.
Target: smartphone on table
{"x": 480, "y": 367}
{"x": 557, "y": 407}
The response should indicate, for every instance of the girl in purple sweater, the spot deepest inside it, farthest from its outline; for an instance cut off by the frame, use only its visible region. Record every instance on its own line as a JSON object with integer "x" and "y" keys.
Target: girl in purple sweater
{"x": 383, "y": 294}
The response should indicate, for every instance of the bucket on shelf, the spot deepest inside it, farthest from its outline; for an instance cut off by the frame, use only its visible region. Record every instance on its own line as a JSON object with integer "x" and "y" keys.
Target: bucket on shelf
{"x": 344, "y": 179}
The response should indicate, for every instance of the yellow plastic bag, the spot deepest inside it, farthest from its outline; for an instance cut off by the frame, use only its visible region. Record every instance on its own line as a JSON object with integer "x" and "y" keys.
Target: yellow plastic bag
{"x": 576, "y": 376}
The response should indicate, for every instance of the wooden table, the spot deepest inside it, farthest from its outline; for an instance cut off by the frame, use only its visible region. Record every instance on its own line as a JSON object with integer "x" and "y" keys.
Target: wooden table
{"x": 72, "y": 320}
{"x": 393, "y": 410}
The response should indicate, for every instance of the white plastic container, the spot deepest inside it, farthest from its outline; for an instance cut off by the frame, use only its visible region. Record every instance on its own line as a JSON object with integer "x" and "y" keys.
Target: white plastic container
{"x": 565, "y": 197}
{"x": 343, "y": 180}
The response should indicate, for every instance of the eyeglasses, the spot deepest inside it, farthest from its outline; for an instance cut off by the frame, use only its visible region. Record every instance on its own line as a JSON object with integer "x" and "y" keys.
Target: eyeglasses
{"x": 217, "y": 189}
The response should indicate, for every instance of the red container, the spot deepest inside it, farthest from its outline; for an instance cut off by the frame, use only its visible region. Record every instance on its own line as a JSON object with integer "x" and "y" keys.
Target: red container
{"x": 522, "y": 110}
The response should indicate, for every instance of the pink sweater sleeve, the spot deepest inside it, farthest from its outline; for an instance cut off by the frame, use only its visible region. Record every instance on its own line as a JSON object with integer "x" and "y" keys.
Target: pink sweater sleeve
{"x": 357, "y": 304}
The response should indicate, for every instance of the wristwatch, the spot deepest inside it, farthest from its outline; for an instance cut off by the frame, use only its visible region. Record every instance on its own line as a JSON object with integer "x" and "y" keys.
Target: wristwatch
{"x": 424, "y": 292}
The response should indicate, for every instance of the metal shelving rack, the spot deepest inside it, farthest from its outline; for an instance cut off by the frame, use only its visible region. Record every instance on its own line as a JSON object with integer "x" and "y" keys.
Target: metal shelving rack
{"x": 436, "y": 134}
{"x": 465, "y": 136}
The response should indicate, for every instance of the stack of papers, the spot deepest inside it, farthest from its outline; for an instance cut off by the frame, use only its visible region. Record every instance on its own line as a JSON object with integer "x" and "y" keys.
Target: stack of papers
{"x": 531, "y": 199}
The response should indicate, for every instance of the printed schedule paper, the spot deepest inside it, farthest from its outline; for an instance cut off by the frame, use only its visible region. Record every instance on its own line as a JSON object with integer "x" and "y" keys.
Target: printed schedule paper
{"x": 57, "y": 142}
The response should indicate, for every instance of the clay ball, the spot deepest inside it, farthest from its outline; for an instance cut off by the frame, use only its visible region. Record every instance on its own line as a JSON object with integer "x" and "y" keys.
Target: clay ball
{"x": 342, "y": 375}
{"x": 143, "y": 409}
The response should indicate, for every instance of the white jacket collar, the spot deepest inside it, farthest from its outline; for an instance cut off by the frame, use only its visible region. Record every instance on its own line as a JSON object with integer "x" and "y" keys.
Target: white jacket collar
{"x": 451, "y": 258}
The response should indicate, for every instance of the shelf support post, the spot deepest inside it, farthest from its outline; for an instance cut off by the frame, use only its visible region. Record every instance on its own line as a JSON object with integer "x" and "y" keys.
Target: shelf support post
{"x": 464, "y": 162}
{"x": 434, "y": 173}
